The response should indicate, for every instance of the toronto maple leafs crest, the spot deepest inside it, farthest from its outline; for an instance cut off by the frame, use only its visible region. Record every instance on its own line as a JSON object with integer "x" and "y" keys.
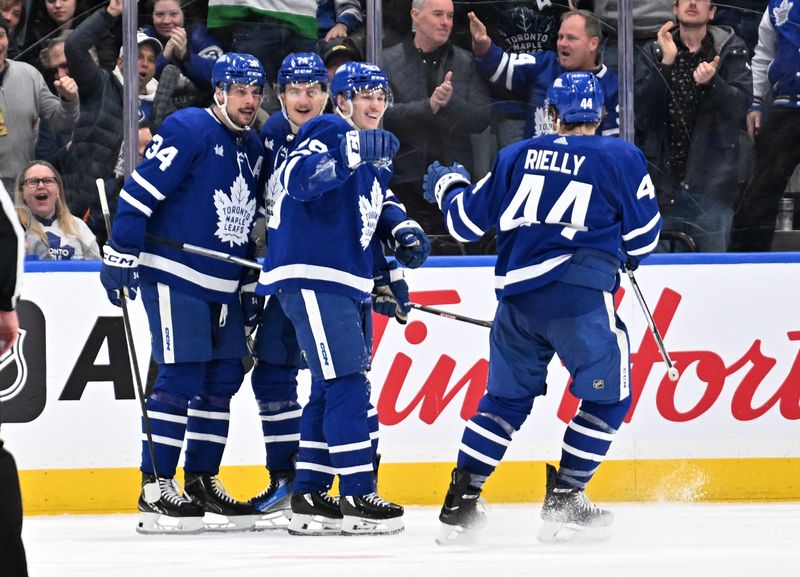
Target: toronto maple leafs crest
{"x": 275, "y": 193}
{"x": 235, "y": 212}
{"x": 781, "y": 12}
{"x": 370, "y": 209}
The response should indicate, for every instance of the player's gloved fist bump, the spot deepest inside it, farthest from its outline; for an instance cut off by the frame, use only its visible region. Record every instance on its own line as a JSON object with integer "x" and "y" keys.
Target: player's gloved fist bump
{"x": 438, "y": 179}
{"x": 119, "y": 271}
{"x": 391, "y": 294}
{"x": 252, "y": 303}
{"x": 375, "y": 145}
{"x": 410, "y": 244}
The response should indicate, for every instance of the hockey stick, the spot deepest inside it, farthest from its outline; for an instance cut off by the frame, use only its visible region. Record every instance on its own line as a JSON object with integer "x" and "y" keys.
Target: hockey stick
{"x": 453, "y": 316}
{"x": 126, "y": 321}
{"x": 672, "y": 372}
{"x": 194, "y": 249}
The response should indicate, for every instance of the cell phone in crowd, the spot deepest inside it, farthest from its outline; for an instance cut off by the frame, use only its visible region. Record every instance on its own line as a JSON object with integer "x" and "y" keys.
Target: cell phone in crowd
{"x": 673, "y": 28}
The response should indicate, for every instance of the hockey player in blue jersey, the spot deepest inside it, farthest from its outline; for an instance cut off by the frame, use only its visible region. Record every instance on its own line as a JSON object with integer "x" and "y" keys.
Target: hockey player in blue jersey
{"x": 303, "y": 94}
{"x": 302, "y": 90}
{"x": 332, "y": 204}
{"x": 199, "y": 183}
{"x": 570, "y": 209}
{"x": 530, "y": 75}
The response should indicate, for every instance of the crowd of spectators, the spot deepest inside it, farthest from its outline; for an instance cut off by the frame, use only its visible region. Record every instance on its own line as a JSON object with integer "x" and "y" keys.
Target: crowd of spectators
{"x": 716, "y": 96}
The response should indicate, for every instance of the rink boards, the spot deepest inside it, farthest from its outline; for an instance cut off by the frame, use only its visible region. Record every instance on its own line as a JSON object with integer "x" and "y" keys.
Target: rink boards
{"x": 727, "y": 430}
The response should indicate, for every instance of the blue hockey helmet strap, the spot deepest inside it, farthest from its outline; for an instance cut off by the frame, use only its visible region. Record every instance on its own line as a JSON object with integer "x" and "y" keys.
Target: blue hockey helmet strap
{"x": 577, "y": 96}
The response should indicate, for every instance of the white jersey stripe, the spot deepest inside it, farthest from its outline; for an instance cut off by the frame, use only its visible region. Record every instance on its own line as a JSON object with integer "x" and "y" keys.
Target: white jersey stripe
{"x": 139, "y": 179}
{"x": 187, "y": 273}
{"x": 315, "y": 272}
{"x": 123, "y": 195}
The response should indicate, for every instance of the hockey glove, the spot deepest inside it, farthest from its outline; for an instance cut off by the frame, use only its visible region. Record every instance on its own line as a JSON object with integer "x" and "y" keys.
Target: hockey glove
{"x": 410, "y": 244}
{"x": 390, "y": 296}
{"x": 377, "y": 146}
{"x": 438, "y": 179}
{"x": 252, "y": 303}
{"x": 632, "y": 263}
{"x": 119, "y": 271}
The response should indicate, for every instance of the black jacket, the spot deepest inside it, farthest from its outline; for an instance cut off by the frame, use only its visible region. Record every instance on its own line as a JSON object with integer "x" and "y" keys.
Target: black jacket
{"x": 97, "y": 137}
{"x": 423, "y": 135}
{"x": 712, "y": 163}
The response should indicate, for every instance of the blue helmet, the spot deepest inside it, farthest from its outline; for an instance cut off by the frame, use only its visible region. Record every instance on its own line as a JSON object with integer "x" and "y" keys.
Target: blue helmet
{"x": 352, "y": 77}
{"x": 577, "y": 97}
{"x": 302, "y": 68}
{"x": 234, "y": 68}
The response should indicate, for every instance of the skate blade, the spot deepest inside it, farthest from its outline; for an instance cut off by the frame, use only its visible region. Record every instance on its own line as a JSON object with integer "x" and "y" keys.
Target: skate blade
{"x": 363, "y": 526}
{"x": 455, "y": 535}
{"x": 274, "y": 520}
{"x": 215, "y": 522}
{"x": 314, "y": 525}
{"x": 158, "y": 524}
{"x": 555, "y": 532}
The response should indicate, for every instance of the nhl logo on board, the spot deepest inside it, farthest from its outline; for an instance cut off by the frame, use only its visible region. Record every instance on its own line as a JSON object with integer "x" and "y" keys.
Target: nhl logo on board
{"x": 13, "y": 370}
{"x": 23, "y": 369}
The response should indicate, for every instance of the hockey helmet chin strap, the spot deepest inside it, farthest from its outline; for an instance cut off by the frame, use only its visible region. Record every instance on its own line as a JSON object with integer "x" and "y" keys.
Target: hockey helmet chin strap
{"x": 227, "y": 120}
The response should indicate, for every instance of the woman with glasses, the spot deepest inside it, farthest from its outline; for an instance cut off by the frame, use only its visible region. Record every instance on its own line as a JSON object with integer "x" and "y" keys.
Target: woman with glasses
{"x": 51, "y": 231}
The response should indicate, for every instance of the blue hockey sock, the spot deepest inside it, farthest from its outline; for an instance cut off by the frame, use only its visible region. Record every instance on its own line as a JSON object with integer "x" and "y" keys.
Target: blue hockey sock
{"x": 280, "y": 423}
{"x": 314, "y": 471}
{"x": 587, "y": 440}
{"x": 206, "y": 433}
{"x": 488, "y": 434}
{"x": 347, "y": 431}
{"x": 167, "y": 414}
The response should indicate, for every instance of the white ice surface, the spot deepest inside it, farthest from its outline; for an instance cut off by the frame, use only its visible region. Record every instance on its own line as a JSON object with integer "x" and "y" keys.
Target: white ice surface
{"x": 663, "y": 540}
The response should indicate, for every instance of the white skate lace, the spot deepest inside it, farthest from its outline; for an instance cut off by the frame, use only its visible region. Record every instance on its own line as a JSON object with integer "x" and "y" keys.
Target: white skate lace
{"x": 328, "y": 498}
{"x": 171, "y": 491}
{"x": 375, "y": 499}
{"x": 583, "y": 502}
{"x": 219, "y": 491}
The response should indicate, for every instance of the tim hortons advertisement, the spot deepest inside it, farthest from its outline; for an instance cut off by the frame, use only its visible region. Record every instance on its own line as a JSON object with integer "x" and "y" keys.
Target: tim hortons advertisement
{"x": 68, "y": 397}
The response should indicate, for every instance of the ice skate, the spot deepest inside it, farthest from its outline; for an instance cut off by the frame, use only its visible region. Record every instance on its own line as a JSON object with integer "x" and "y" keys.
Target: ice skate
{"x": 222, "y": 512}
{"x": 164, "y": 508}
{"x": 462, "y": 514}
{"x": 315, "y": 514}
{"x": 273, "y": 505}
{"x": 370, "y": 515}
{"x": 569, "y": 515}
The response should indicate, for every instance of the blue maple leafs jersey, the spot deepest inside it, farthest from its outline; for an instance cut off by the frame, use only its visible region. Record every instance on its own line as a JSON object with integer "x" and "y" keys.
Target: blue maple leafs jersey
{"x": 199, "y": 183}
{"x": 325, "y": 221}
{"x": 551, "y": 196}
{"x": 532, "y": 74}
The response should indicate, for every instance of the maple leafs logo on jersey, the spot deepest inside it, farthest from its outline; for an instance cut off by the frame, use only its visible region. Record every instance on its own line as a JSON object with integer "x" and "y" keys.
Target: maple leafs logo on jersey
{"x": 781, "y": 12}
{"x": 234, "y": 212}
{"x": 370, "y": 211}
